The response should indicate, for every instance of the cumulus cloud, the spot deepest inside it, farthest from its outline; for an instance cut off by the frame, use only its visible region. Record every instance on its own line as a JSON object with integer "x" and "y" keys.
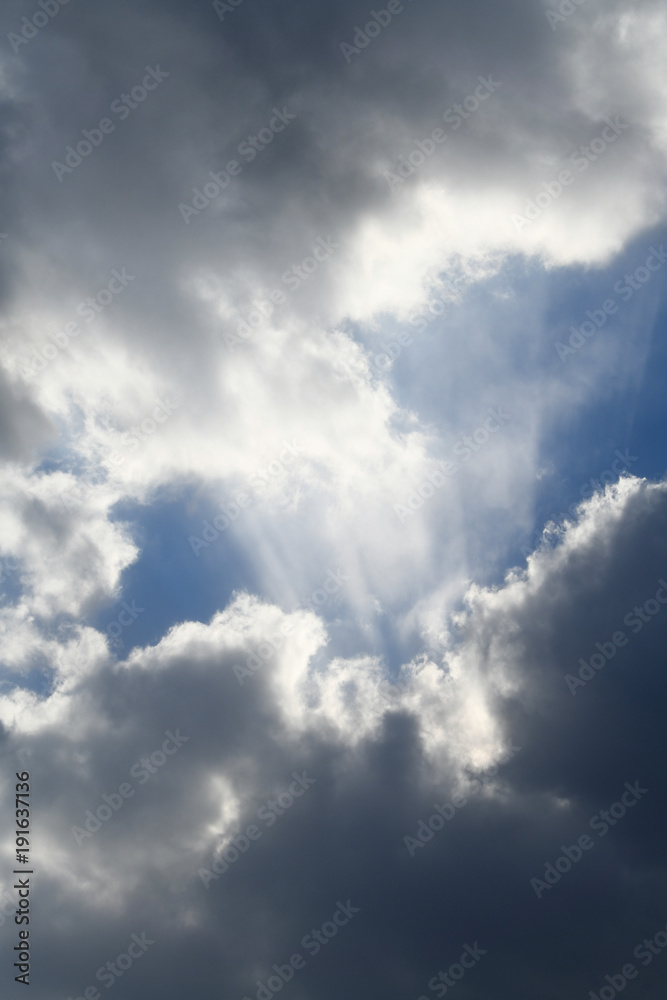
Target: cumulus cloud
{"x": 380, "y": 752}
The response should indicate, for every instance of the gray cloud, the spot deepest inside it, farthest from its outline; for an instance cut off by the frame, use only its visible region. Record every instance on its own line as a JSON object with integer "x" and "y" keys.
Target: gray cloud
{"x": 138, "y": 871}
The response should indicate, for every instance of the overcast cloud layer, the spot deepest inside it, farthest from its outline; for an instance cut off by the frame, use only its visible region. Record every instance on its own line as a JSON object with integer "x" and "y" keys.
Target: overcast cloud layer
{"x": 333, "y": 504}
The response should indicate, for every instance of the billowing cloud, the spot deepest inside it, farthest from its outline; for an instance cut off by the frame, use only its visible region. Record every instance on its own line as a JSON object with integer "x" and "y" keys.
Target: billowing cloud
{"x": 194, "y": 788}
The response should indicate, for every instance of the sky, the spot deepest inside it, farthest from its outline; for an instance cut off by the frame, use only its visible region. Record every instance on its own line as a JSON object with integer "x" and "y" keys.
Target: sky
{"x": 333, "y": 499}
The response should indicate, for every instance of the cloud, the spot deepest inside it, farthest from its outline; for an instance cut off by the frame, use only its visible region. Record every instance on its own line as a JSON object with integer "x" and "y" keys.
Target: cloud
{"x": 342, "y": 368}
{"x": 70, "y": 556}
{"x": 380, "y": 752}
{"x": 320, "y": 178}
{"x": 25, "y": 428}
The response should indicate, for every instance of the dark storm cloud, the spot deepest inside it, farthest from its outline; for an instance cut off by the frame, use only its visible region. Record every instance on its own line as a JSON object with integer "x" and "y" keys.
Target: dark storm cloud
{"x": 120, "y": 205}
{"x": 345, "y": 837}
